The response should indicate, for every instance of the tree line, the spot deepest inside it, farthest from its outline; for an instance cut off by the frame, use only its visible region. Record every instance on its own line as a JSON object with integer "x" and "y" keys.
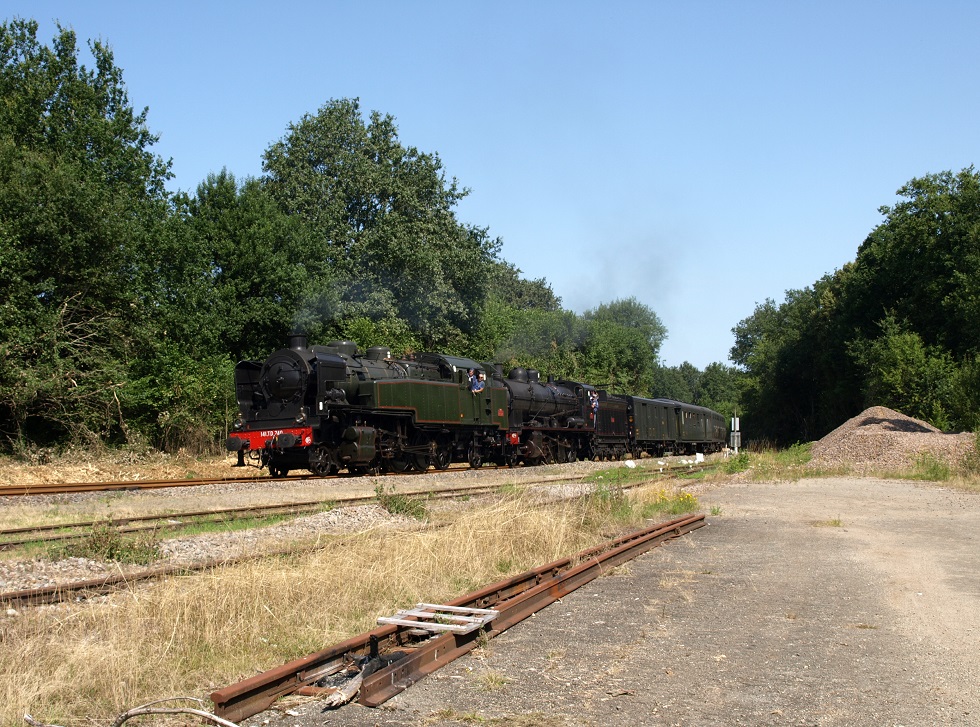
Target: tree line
{"x": 897, "y": 327}
{"x": 124, "y": 307}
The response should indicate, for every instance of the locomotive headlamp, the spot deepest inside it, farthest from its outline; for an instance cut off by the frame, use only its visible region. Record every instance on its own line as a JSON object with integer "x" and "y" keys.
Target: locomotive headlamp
{"x": 301, "y": 417}
{"x": 239, "y": 423}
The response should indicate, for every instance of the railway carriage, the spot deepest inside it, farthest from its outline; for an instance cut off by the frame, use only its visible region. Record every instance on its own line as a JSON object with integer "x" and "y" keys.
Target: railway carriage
{"x": 654, "y": 425}
{"x": 664, "y": 425}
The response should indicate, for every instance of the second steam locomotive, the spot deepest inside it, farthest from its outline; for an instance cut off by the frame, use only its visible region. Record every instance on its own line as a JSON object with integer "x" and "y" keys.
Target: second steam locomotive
{"x": 330, "y": 408}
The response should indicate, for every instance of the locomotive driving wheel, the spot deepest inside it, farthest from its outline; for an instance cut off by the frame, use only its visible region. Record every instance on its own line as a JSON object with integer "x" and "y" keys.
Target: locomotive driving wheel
{"x": 549, "y": 453}
{"x": 441, "y": 458}
{"x": 399, "y": 464}
{"x": 321, "y": 462}
{"x": 440, "y": 453}
{"x": 474, "y": 456}
{"x": 419, "y": 459}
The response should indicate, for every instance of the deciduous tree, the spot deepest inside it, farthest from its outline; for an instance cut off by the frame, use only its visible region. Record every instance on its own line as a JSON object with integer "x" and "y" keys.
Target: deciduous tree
{"x": 81, "y": 198}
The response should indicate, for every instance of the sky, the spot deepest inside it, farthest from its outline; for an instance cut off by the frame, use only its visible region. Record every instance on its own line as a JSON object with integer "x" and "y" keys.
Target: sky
{"x": 700, "y": 156}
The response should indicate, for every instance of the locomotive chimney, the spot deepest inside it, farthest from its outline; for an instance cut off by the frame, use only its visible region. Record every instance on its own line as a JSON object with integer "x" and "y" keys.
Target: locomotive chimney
{"x": 297, "y": 341}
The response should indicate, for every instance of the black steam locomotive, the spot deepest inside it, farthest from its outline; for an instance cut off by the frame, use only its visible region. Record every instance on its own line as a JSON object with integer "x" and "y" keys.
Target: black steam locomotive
{"x": 328, "y": 408}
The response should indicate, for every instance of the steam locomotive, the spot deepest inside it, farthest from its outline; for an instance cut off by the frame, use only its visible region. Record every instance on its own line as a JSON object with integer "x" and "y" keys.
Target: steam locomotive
{"x": 332, "y": 408}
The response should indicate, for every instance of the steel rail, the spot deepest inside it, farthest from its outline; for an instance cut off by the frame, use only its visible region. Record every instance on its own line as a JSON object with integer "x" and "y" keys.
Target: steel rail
{"x": 60, "y": 592}
{"x": 406, "y": 659}
{"x": 173, "y": 521}
{"x": 67, "y": 488}
{"x": 62, "y": 530}
{"x": 78, "y": 590}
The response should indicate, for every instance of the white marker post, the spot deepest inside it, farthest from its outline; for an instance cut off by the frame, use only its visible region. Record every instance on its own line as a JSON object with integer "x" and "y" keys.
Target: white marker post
{"x": 736, "y": 434}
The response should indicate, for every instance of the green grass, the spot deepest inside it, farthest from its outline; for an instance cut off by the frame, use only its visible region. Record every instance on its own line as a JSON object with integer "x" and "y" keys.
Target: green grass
{"x": 772, "y": 465}
{"x": 106, "y": 543}
{"x": 229, "y": 526}
{"x": 736, "y": 464}
{"x": 492, "y": 681}
{"x": 509, "y": 488}
{"x": 927, "y": 467}
{"x": 784, "y": 463}
{"x": 616, "y": 504}
{"x": 670, "y": 503}
{"x": 622, "y": 476}
{"x": 398, "y": 504}
{"x": 832, "y": 523}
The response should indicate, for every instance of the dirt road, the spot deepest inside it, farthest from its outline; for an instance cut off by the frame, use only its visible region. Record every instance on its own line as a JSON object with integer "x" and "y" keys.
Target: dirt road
{"x": 820, "y": 602}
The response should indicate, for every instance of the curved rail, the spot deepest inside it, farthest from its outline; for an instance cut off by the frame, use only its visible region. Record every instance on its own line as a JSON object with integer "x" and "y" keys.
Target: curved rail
{"x": 404, "y": 656}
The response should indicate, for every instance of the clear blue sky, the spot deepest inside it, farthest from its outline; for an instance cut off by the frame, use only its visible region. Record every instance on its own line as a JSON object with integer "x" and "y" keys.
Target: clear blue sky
{"x": 700, "y": 156}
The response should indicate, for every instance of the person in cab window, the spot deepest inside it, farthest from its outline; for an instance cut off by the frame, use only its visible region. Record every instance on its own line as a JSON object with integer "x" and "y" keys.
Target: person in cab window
{"x": 477, "y": 383}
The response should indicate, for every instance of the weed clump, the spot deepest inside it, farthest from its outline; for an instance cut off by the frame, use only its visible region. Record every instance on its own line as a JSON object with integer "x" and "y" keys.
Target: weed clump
{"x": 106, "y": 543}
{"x": 736, "y": 464}
{"x": 398, "y": 504}
{"x": 670, "y": 503}
{"x": 928, "y": 467}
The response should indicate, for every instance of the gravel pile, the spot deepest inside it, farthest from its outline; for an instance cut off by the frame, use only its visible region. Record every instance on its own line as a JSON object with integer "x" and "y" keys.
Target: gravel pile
{"x": 881, "y": 439}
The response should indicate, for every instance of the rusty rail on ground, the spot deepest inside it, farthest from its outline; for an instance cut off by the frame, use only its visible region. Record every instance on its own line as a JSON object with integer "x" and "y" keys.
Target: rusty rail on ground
{"x": 406, "y": 657}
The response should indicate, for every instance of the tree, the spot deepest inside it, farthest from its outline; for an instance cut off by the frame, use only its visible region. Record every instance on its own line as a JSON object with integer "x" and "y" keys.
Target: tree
{"x": 718, "y": 388}
{"x": 382, "y": 222}
{"x": 904, "y": 374}
{"x": 922, "y": 263}
{"x": 253, "y": 262}
{"x": 545, "y": 340}
{"x": 622, "y": 345}
{"x": 81, "y": 200}
{"x": 669, "y": 383}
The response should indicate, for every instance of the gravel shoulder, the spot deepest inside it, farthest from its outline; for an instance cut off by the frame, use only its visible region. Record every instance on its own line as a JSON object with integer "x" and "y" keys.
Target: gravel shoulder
{"x": 821, "y": 602}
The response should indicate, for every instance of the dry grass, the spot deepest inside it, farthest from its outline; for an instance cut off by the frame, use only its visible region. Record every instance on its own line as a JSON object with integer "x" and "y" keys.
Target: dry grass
{"x": 114, "y": 465}
{"x": 834, "y": 522}
{"x": 87, "y": 662}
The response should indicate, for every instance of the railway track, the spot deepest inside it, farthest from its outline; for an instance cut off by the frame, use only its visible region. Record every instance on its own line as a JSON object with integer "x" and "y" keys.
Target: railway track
{"x": 66, "y": 532}
{"x": 67, "y": 488}
{"x": 76, "y": 590}
{"x": 170, "y": 521}
{"x": 63, "y": 488}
